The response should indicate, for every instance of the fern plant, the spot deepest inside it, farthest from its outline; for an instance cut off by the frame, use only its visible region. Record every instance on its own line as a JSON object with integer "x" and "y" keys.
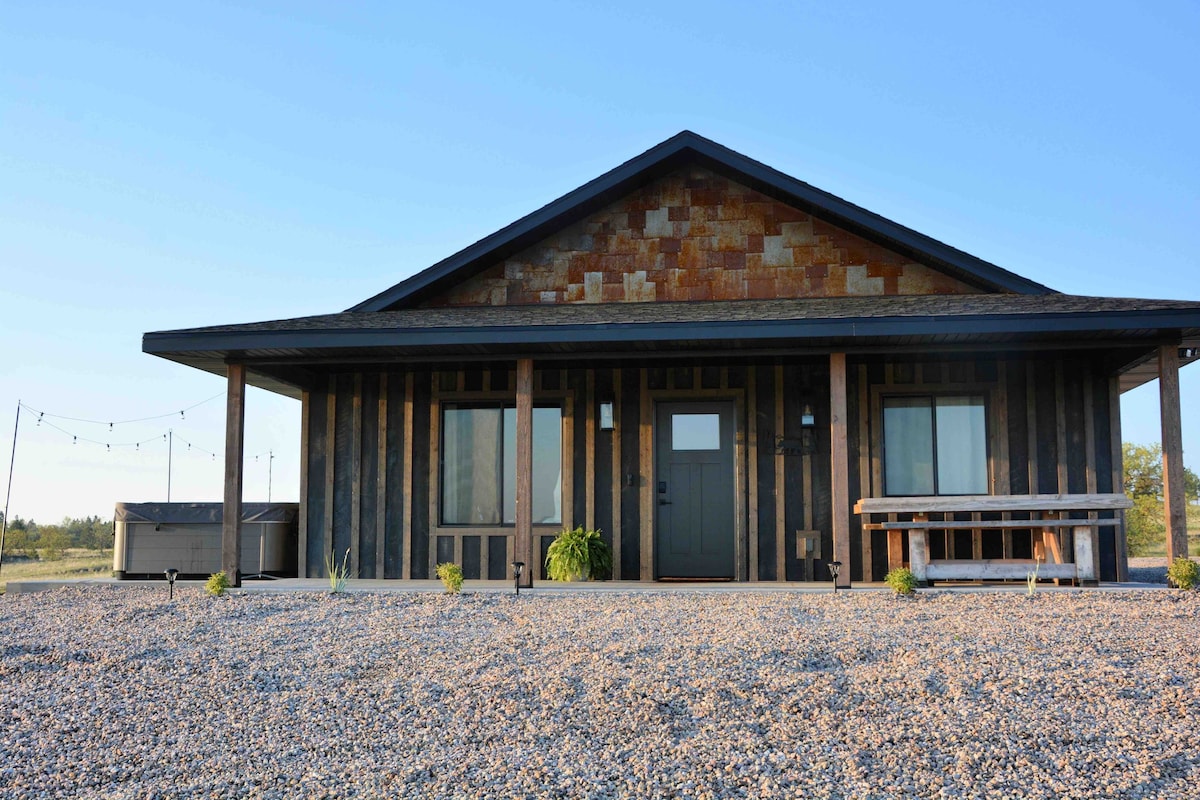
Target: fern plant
{"x": 338, "y": 574}
{"x": 577, "y": 555}
{"x": 451, "y": 576}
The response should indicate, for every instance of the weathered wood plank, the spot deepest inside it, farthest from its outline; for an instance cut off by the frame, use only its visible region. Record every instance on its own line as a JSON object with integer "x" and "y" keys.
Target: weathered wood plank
{"x": 840, "y": 466}
{"x": 330, "y": 447}
{"x": 407, "y": 479}
{"x": 1084, "y": 537}
{"x": 302, "y": 540}
{"x": 994, "y": 570}
{"x": 895, "y": 544}
{"x": 1172, "y": 452}
{"x": 589, "y": 453}
{"x": 381, "y": 481}
{"x": 646, "y": 481}
{"x": 1031, "y": 426}
{"x": 986, "y": 502}
{"x": 356, "y": 431}
{"x": 616, "y": 473}
{"x": 752, "y": 450}
{"x": 1114, "y": 444}
{"x": 1060, "y": 425}
{"x": 780, "y": 485}
{"x": 235, "y": 438}
{"x": 864, "y": 465}
{"x": 992, "y": 524}
{"x": 524, "y": 480}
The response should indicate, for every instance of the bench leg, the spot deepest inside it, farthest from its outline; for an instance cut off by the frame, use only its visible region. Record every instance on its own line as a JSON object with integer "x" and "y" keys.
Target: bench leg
{"x": 918, "y": 555}
{"x": 895, "y": 550}
{"x": 1085, "y": 555}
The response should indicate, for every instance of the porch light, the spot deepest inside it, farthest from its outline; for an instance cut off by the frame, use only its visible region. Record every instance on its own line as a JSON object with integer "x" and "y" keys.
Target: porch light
{"x": 518, "y": 568}
{"x": 171, "y": 574}
{"x": 834, "y": 568}
{"x": 807, "y": 419}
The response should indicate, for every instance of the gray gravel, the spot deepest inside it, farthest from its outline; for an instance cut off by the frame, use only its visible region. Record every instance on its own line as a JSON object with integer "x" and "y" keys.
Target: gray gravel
{"x": 114, "y": 692}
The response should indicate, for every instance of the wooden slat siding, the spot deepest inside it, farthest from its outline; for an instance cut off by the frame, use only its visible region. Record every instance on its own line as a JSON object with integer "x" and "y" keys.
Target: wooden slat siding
{"x": 864, "y": 468}
{"x": 617, "y": 483}
{"x": 724, "y": 379}
{"x": 752, "y": 465}
{"x": 231, "y": 512}
{"x": 435, "y": 458}
{"x": 741, "y": 493}
{"x": 1000, "y": 474}
{"x": 1089, "y": 438}
{"x": 381, "y": 481}
{"x": 1118, "y": 470}
{"x": 356, "y": 433}
{"x": 524, "y": 480}
{"x": 1031, "y": 426}
{"x": 406, "y": 554}
{"x": 646, "y": 481}
{"x": 330, "y": 457}
{"x": 589, "y": 452}
{"x": 1060, "y": 420}
{"x": 302, "y": 522}
{"x": 780, "y": 485}
{"x": 567, "y": 467}
{"x": 1172, "y": 452}
{"x": 839, "y": 465}
{"x": 578, "y": 394}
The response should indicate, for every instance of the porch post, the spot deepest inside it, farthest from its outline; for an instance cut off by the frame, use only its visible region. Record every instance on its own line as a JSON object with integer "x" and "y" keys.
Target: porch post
{"x": 231, "y": 518}
{"x": 1172, "y": 451}
{"x": 840, "y": 458}
{"x": 523, "y": 547}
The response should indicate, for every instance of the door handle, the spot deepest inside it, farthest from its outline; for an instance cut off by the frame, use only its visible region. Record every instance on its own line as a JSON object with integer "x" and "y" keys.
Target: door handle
{"x": 663, "y": 502}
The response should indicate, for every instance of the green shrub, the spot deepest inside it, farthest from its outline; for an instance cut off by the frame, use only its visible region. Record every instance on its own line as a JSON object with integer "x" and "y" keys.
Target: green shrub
{"x": 452, "y": 577}
{"x": 901, "y": 580}
{"x": 217, "y": 584}
{"x": 1184, "y": 573}
{"x": 577, "y": 555}
{"x": 337, "y": 574}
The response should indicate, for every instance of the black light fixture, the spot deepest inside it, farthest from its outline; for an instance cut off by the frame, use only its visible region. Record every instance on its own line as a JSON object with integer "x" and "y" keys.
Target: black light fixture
{"x": 518, "y": 568}
{"x": 171, "y": 574}
{"x": 834, "y": 568}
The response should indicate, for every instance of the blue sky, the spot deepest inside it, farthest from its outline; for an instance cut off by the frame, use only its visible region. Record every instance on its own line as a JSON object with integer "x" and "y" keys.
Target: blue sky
{"x": 171, "y": 165}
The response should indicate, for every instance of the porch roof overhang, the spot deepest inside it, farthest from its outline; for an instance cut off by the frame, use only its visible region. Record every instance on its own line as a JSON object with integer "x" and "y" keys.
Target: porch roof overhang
{"x": 285, "y": 355}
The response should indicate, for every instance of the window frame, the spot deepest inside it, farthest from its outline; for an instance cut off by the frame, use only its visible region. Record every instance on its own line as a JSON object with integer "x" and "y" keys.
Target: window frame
{"x": 992, "y": 432}
{"x": 501, "y": 404}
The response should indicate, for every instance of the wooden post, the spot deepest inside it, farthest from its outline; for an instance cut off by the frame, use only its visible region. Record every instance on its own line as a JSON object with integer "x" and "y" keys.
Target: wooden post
{"x": 840, "y": 459}
{"x": 918, "y": 551}
{"x": 524, "y": 532}
{"x": 1085, "y": 555}
{"x": 231, "y": 517}
{"x": 1172, "y": 452}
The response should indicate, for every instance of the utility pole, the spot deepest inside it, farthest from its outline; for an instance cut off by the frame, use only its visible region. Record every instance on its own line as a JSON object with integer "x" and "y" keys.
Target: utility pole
{"x": 270, "y": 465}
{"x": 170, "y": 445}
{"x": 8, "y": 495}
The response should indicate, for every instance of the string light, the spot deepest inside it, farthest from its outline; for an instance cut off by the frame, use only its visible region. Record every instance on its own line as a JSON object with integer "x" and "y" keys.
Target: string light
{"x": 137, "y": 445}
{"x": 110, "y": 424}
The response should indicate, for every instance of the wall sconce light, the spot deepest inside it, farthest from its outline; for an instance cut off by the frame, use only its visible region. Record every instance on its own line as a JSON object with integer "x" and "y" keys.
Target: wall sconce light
{"x": 1188, "y": 352}
{"x": 834, "y": 568}
{"x": 807, "y": 419}
{"x": 606, "y": 416}
{"x": 518, "y": 568}
{"x": 171, "y": 574}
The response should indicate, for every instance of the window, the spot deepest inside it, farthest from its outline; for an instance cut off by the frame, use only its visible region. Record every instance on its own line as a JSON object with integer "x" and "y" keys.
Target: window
{"x": 479, "y": 465}
{"x": 934, "y": 445}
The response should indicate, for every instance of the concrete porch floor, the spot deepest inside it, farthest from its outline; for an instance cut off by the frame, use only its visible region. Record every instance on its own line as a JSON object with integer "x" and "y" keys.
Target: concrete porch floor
{"x": 550, "y": 588}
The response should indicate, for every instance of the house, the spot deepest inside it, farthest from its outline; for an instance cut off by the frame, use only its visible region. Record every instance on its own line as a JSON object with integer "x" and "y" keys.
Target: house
{"x": 708, "y": 360}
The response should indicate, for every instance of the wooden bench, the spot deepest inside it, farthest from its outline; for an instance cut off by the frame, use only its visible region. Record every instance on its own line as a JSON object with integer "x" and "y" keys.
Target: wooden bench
{"x": 1049, "y": 507}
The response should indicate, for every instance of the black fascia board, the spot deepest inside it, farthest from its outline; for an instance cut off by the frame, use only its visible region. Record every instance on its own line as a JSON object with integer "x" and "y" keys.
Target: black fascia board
{"x": 848, "y": 328}
{"x": 662, "y": 159}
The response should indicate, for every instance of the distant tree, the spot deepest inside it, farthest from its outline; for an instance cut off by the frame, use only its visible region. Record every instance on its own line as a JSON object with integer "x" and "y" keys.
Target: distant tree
{"x": 53, "y": 541}
{"x": 1145, "y": 523}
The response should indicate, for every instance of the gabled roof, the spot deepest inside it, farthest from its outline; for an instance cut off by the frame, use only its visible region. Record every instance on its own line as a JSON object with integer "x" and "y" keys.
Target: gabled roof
{"x": 680, "y": 150}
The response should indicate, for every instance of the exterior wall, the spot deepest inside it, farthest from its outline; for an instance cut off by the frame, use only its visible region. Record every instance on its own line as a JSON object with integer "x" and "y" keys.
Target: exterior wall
{"x": 1051, "y": 430}
{"x": 696, "y": 236}
{"x": 372, "y": 437}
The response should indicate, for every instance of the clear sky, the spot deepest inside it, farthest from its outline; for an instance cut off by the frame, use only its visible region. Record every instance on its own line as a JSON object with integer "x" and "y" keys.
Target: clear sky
{"x": 166, "y": 165}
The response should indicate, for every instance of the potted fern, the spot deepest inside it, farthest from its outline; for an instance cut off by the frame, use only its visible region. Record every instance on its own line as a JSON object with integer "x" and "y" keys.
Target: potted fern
{"x": 578, "y": 555}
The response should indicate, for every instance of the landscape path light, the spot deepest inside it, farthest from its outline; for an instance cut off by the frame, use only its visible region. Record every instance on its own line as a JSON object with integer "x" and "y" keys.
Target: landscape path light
{"x": 518, "y": 568}
{"x": 834, "y": 568}
{"x": 171, "y": 574}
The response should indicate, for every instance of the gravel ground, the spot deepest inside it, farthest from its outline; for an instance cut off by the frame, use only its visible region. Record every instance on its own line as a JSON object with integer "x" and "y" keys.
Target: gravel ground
{"x": 114, "y": 692}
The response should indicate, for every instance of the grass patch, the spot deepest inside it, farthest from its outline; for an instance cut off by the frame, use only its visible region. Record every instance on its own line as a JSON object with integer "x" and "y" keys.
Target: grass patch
{"x": 75, "y": 563}
{"x": 1159, "y": 549}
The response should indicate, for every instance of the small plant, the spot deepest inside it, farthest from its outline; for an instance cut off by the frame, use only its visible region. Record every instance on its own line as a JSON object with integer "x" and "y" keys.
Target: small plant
{"x": 337, "y": 574}
{"x": 452, "y": 577}
{"x": 902, "y": 581}
{"x": 217, "y": 584}
{"x": 577, "y": 555}
{"x": 1183, "y": 573}
{"x": 1031, "y": 578}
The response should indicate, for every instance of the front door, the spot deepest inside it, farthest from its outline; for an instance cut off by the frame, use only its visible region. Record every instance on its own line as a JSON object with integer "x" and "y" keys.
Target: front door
{"x": 694, "y": 490}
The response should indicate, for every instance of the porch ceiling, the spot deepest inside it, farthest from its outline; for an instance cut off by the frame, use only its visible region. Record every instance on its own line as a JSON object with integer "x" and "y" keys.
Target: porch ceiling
{"x": 281, "y": 354}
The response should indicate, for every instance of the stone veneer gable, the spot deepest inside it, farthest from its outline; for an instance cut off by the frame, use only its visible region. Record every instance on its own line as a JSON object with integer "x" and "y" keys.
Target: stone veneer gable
{"x": 694, "y": 235}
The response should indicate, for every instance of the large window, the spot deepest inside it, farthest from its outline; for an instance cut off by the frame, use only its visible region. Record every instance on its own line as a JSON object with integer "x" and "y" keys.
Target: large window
{"x": 934, "y": 445}
{"x": 479, "y": 465}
